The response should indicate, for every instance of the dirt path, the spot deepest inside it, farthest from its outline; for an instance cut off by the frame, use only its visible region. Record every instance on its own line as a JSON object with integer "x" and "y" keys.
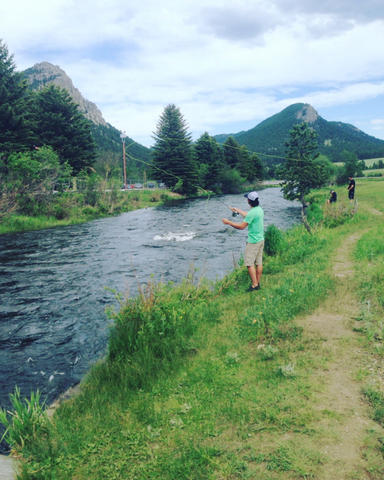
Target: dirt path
{"x": 349, "y": 422}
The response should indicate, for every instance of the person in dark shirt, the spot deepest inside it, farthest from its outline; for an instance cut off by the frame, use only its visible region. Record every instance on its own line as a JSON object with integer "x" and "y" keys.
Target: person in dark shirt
{"x": 351, "y": 189}
{"x": 332, "y": 197}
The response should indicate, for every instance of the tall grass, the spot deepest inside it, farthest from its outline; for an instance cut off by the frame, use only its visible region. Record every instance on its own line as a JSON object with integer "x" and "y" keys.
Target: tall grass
{"x": 71, "y": 208}
{"x": 27, "y": 420}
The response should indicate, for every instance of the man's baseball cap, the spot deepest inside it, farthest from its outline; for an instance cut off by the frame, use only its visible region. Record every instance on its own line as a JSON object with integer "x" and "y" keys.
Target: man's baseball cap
{"x": 251, "y": 196}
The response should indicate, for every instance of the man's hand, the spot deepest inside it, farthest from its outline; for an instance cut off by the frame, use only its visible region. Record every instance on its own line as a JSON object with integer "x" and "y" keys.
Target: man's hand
{"x": 225, "y": 221}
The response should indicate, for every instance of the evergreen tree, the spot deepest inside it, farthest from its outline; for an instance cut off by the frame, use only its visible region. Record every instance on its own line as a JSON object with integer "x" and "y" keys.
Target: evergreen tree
{"x": 246, "y": 165}
{"x": 210, "y": 159}
{"x": 61, "y": 125}
{"x": 300, "y": 173}
{"x": 232, "y": 153}
{"x": 351, "y": 167}
{"x": 173, "y": 154}
{"x": 15, "y": 111}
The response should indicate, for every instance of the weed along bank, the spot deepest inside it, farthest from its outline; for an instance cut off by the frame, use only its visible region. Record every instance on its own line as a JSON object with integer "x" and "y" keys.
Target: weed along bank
{"x": 204, "y": 380}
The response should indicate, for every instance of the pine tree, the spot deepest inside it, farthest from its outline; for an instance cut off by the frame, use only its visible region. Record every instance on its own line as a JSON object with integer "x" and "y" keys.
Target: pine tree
{"x": 300, "y": 173}
{"x": 61, "y": 125}
{"x": 246, "y": 165}
{"x": 259, "y": 167}
{"x": 15, "y": 106}
{"x": 173, "y": 154}
{"x": 210, "y": 159}
{"x": 232, "y": 154}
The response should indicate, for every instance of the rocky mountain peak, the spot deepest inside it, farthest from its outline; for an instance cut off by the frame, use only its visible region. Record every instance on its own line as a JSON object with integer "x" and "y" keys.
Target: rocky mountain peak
{"x": 45, "y": 73}
{"x": 307, "y": 114}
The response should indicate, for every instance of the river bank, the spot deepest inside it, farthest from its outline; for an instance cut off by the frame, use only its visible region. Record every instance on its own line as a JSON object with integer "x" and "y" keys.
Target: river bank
{"x": 71, "y": 209}
{"x": 240, "y": 385}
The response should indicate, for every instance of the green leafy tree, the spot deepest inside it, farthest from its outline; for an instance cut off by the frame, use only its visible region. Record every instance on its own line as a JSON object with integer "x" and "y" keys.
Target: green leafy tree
{"x": 232, "y": 152}
{"x": 246, "y": 165}
{"x": 230, "y": 180}
{"x": 351, "y": 167}
{"x": 300, "y": 172}
{"x": 173, "y": 154}
{"x": 250, "y": 166}
{"x": 15, "y": 106}
{"x": 210, "y": 159}
{"x": 327, "y": 164}
{"x": 28, "y": 179}
{"x": 259, "y": 166}
{"x": 61, "y": 125}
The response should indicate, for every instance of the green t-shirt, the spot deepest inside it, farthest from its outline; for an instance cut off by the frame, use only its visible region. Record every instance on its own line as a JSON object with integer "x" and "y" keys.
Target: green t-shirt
{"x": 255, "y": 220}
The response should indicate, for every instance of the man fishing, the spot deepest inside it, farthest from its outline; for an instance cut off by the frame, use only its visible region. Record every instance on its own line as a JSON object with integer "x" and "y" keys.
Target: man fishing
{"x": 253, "y": 255}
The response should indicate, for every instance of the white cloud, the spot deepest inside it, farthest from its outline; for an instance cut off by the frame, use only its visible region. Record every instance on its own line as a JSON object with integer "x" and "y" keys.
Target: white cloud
{"x": 221, "y": 62}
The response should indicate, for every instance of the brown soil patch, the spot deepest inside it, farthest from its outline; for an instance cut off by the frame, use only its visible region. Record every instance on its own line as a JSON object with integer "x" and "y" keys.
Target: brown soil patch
{"x": 341, "y": 396}
{"x": 375, "y": 212}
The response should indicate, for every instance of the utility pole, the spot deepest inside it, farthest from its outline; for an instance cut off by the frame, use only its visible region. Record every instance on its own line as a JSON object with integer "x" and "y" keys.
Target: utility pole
{"x": 123, "y": 136}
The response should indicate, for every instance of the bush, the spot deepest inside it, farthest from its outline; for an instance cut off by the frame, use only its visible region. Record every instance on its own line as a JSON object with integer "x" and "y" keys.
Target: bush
{"x": 274, "y": 240}
{"x": 231, "y": 181}
{"x": 314, "y": 214}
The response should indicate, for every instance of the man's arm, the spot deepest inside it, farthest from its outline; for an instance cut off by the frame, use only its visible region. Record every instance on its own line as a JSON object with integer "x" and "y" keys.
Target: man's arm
{"x": 239, "y": 226}
{"x": 237, "y": 210}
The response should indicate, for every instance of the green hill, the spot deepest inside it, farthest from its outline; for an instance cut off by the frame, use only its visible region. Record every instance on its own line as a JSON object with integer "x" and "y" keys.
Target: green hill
{"x": 333, "y": 137}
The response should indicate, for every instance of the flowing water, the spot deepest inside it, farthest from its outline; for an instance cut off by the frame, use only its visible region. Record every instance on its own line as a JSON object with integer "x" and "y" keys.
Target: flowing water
{"x": 52, "y": 282}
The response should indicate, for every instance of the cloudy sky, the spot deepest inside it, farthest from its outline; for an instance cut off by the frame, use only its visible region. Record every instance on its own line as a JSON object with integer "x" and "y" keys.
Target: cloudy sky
{"x": 227, "y": 65}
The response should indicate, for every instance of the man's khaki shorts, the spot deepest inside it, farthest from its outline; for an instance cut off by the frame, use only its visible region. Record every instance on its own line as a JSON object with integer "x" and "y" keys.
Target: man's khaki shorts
{"x": 253, "y": 254}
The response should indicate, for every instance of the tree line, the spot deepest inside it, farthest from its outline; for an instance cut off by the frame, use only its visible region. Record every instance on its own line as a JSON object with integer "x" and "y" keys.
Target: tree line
{"x": 186, "y": 166}
{"x": 45, "y": 141}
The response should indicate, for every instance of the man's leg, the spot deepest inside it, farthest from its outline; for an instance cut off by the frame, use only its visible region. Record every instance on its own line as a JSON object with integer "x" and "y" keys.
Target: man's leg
{"x": 259, "y": 271}
{"x": 253, "y": 275}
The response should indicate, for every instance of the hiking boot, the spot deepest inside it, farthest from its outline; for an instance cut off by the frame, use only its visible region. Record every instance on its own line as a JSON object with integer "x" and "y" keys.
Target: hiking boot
{"x": 252, "y": 289}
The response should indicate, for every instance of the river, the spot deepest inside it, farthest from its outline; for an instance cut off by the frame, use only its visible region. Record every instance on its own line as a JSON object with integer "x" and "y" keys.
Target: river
{"x": 52, "y": 282}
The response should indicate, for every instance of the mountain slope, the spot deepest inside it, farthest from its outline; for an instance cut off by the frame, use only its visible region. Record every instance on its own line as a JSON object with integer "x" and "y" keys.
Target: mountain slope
{"x": 268, "y": 137}
{"x": 105, "y": 135}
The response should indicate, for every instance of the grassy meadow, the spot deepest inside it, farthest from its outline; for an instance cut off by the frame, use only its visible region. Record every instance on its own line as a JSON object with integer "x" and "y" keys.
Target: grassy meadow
{"x": 207, "y": 381}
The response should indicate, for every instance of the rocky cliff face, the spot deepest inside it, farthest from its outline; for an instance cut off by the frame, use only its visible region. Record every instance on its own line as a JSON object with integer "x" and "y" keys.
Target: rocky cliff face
{"x": 307, "y": 114}
{"x": 45, "y": 73}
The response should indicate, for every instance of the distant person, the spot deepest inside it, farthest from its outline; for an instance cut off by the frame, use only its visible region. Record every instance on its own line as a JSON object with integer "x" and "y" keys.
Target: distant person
{"x": 254, "y": 220}
{"x": 351, "y": 189}
{"x": 332, "y": 197}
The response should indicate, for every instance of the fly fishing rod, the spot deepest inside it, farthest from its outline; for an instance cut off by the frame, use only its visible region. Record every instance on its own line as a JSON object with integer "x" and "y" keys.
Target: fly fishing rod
{"x": 234, "y": 214}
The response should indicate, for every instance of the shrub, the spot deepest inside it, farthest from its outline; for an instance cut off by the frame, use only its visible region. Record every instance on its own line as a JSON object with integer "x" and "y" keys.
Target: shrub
{"x": 231, "y": 181}
{"x": 314, "y": 214}
{"x": 274, "y": 240}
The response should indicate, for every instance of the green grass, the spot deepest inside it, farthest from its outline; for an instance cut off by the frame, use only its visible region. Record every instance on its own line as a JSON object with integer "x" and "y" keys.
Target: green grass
{"x": 368, "y": 173}
{"x": 369, "y": 162}
{"x": 72, "y": 208}
{"x": 210, "y": 382}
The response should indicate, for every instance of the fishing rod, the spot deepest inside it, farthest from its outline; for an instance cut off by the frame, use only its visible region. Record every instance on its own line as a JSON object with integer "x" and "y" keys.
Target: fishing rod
{"x": 234, "y": 214}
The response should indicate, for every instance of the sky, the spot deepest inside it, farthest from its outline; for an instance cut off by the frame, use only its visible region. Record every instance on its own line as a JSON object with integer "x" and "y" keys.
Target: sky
{"x": 227, "y": 65}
